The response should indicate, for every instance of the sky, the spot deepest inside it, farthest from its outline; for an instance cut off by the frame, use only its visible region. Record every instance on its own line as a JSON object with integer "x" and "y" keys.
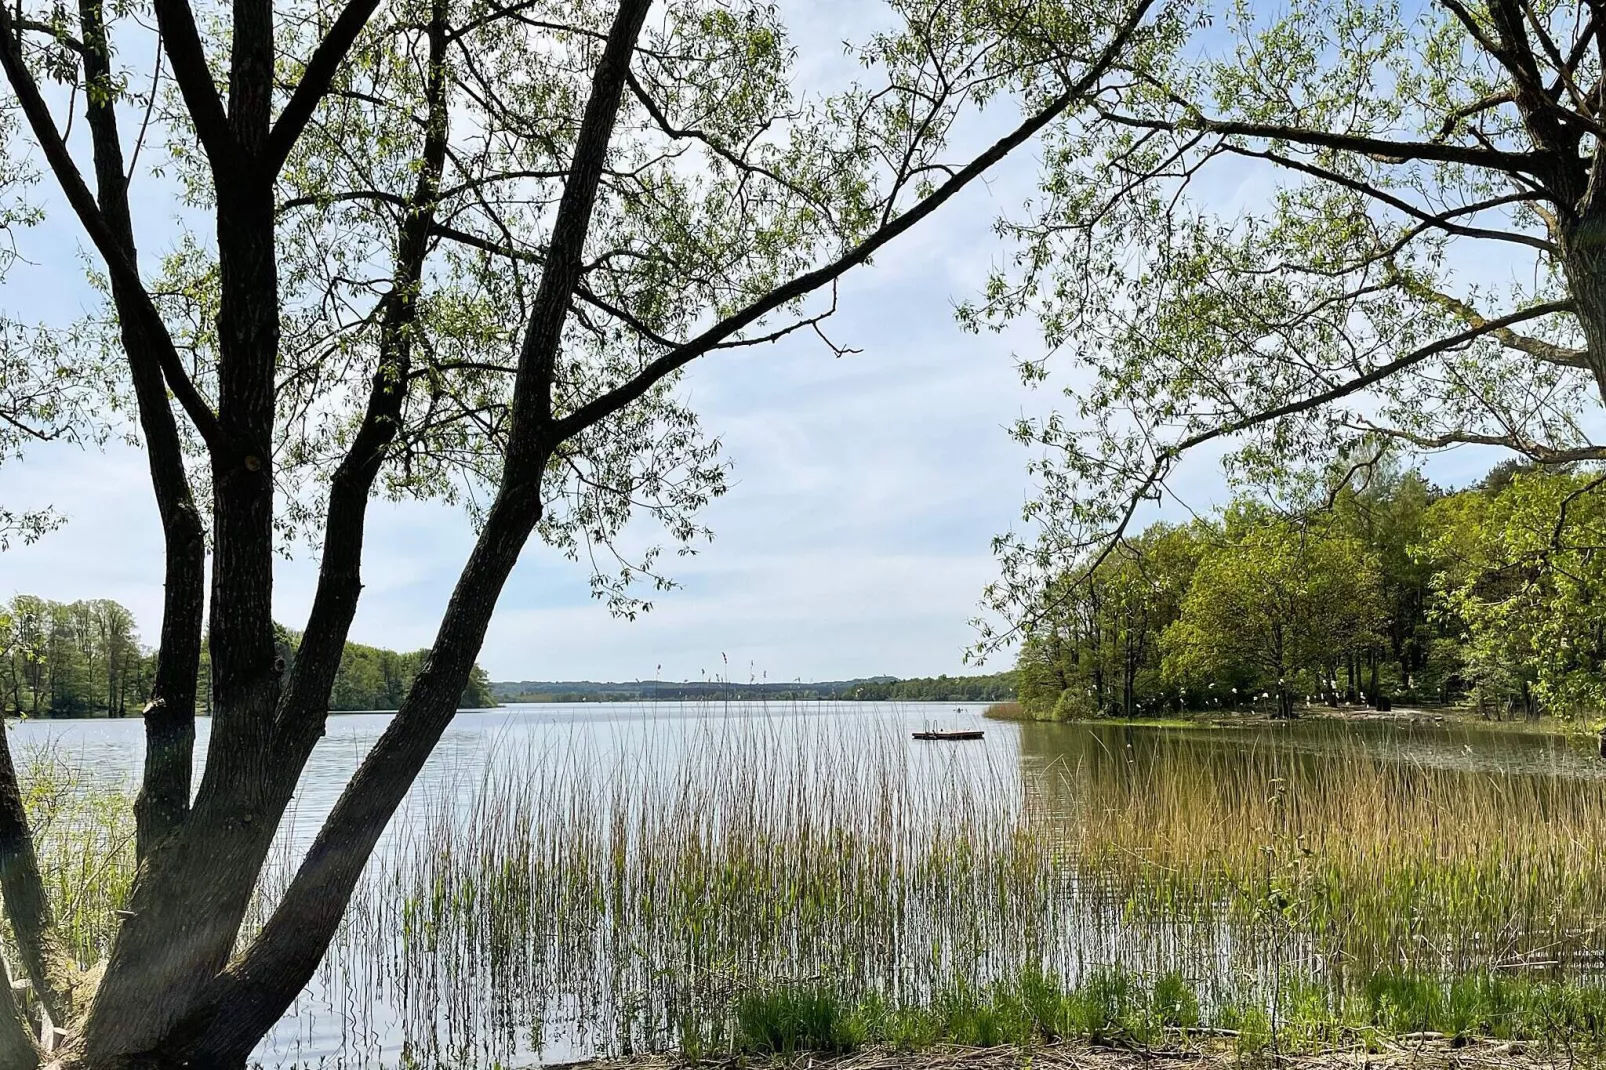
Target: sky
{"x": 855, "y": 538}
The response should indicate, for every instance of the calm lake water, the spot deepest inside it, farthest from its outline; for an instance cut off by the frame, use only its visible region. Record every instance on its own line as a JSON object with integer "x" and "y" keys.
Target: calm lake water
{"x": 356, "y": 1013}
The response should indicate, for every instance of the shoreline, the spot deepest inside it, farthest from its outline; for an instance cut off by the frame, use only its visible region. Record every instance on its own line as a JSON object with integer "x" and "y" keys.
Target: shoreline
{"x": 1422, "y": 715}
{"x": 1430, "y": 1052}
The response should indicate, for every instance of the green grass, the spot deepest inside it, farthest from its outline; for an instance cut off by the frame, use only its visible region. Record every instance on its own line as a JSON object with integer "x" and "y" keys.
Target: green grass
{"x": 1114, "y": 1007}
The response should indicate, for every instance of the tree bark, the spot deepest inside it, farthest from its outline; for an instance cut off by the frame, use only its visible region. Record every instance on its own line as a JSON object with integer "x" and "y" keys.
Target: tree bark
{"x": 1583, "y": 246}
{"x": 17, "y": 1048}
{"x": 246, "y": 1000}
{"x": 164, "y": 797}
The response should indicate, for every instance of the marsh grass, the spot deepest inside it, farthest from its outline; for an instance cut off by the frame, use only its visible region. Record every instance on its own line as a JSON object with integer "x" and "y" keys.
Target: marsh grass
{"x": 1363, "y": 861}
{"x": 84, "y": 837}
{"x": 773, "y": 886}
{"x": 769, "y": 887}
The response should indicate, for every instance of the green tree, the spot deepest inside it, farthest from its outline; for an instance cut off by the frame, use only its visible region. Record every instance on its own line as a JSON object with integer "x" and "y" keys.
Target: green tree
{"x": 71, "y": 659}
{"x": 1094, "y": 650}
{"x": 449, "y": 251}
{"x": 1285, "y": 602}
{"x": 1521, "y": 579}
{"x": 1386, "y": 510}
{"x": 1416, "y": 260}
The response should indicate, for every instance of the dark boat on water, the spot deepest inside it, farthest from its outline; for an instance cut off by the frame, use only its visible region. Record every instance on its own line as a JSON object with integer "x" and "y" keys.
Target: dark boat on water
{"x": 967, "y": 733}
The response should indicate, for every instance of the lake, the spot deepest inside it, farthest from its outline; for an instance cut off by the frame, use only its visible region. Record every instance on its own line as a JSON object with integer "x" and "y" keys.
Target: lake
{"x": 575, "y": 879}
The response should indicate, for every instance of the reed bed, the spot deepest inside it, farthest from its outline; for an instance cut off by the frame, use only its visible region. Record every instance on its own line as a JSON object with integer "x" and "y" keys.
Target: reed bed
{"x": 1362, "y": 861}
{"x": 620, "y": 903}
{"x": 752, "y": 886}
{"x": 84, "y": 837}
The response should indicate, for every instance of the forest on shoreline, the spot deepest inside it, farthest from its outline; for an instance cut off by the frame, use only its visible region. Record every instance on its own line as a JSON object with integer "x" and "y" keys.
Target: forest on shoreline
{"x": 1388, "y": 588}
{"x": 85, "y": 659}
{"x": 943, "y": 688}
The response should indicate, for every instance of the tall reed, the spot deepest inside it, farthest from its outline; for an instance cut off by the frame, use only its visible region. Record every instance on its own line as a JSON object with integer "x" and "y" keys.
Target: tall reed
{"x": 626, "y": 901}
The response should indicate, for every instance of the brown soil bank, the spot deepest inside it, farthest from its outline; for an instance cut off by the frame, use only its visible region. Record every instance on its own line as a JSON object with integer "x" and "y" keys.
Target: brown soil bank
{"x": 1420, "y": 1052}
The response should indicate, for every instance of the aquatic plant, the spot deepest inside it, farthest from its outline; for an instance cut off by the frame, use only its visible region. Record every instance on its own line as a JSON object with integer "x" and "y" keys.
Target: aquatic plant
{"x": 705, "y": 889}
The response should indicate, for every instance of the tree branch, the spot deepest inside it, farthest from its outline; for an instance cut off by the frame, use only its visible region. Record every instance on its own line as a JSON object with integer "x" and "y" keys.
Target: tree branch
{"x": 340, "y": 572}
{"x": 106, "y": 243}
{"x": 1436, "y": 220}
{"x": 163, "y": 802}
{"x": 1533, "y": 450}
{"x": 188, "y": 57}
{"x": 528, "y": 443}
{"x": 61, "y": 36}
{"x": 1380, "y": 149}
{"x": 1376, "y": 375}
{"x": 1565, "y": 356}
{"x": 316, "y": 79}
{"x": 605, "y": 405}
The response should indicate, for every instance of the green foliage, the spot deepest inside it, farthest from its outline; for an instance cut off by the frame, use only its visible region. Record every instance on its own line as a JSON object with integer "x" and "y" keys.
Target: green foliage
{"x": 71, "y": 659}
{"x": 1320, "y": 246}
{"x": 1287, "y": 603}
{"x": 1389, "y": 588}
{"x": 372, "y": 678}
{"x": 1096, "y": 648}
{"x": 1520, "y": 582}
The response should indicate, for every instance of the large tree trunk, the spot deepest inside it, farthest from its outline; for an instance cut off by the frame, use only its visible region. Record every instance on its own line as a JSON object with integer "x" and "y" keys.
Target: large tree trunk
{"x": 1583, "y": 247}
{"x": 165, "y": 988}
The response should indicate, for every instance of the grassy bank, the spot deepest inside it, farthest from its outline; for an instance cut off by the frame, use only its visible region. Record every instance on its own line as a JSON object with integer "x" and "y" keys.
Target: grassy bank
{"x": 1117, "y": 1009}
{"x": 1073, "y": 1055}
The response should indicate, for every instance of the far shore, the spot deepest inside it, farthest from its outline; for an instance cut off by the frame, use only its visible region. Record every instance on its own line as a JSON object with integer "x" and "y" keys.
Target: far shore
{"x": 1254, "y": 718}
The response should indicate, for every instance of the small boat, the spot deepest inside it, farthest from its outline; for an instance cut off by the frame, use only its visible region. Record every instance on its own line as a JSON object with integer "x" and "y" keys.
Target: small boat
{"x": 965, "y": 733}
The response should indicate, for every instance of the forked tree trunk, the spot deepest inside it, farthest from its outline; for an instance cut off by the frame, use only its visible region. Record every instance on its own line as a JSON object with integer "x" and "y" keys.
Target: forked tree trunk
{"x": 169, "y": 994}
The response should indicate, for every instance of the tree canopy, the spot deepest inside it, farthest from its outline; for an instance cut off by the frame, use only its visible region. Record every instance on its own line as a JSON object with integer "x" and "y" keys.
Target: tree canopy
{"x": 445, "y": 249}
{"x": 1314, "y": 230}
{"x": 1392, "y": 589}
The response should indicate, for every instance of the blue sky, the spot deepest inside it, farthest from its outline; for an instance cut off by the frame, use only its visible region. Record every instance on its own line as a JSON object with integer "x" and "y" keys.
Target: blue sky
{"x": 854, "y": 540}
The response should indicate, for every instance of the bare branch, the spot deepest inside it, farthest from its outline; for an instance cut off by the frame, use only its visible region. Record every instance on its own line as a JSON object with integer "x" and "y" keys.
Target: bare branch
{"x": 315, "y": 82}
{"x": 605, "y": 405}
{"x": 188, "y": 57}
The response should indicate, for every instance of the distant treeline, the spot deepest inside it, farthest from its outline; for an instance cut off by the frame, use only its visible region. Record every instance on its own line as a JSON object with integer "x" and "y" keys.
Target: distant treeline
{"x": 1395, "y": 589}
{"x": 372, "y": 678}
{"x": 85, "y": 659}
{"x": 871, "y": 689}
{"x": 71, "y": 659}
